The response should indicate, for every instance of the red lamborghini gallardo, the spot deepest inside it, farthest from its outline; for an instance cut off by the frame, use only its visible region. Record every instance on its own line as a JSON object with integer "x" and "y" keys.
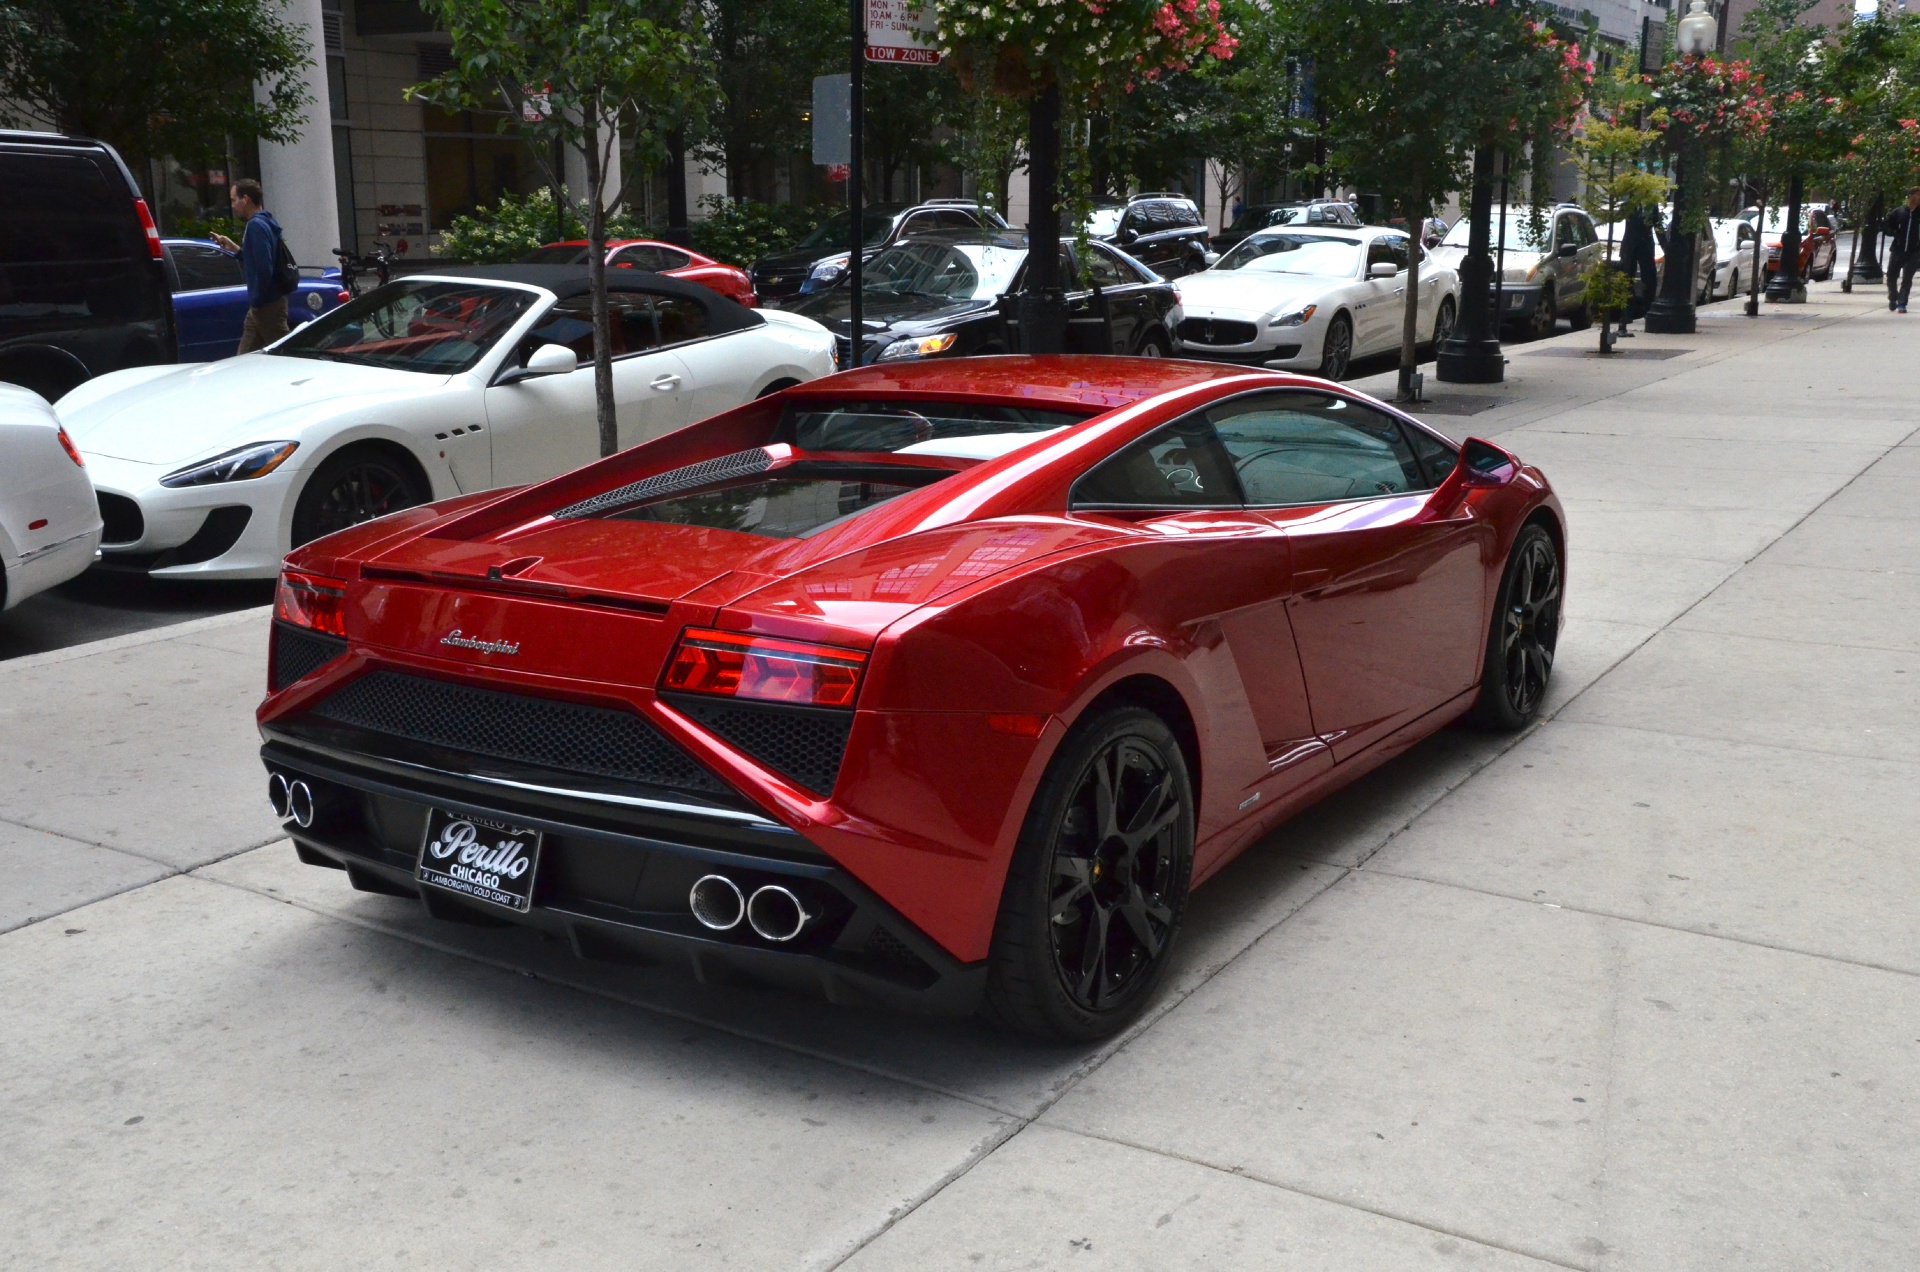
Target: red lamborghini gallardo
{"x": 931, "y": 684}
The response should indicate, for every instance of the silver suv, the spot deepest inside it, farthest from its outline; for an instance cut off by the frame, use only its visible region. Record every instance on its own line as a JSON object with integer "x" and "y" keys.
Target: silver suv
{"x": 1543, "y": 279}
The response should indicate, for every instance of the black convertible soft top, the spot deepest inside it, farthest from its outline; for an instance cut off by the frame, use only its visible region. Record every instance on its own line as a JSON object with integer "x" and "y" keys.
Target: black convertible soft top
{"x": 723, "y": 315}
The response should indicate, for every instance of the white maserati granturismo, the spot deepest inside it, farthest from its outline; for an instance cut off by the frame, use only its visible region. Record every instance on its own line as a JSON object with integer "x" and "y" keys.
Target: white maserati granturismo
{"x": 432, "y": 386}
{"x": 1311, "y": 299}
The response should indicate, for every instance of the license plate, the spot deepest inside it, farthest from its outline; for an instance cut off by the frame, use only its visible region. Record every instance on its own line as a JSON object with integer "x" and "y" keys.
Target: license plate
{"x": 491, "y": 861}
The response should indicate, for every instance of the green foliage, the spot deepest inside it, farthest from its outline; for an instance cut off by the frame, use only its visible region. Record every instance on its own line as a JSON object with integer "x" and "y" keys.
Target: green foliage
{"x": 1609, "y": 156}
{"x": 157, "y": 77}
{"x": 515, "y": 226}
{"x": 1609, "y": 288}
{"x": 993, "y": 142}
{"x": 765, "y": 59}
{"x": 741, "y": 231}
{"x": 187, "y": 225}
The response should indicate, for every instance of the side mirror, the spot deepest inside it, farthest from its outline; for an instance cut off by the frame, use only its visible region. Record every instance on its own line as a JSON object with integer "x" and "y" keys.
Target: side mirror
{"x": 1383, "y": 269}
{"x": 1567, "y": 251}
{"x": 1483, "y": 464}
{"x": 548, "y": 359}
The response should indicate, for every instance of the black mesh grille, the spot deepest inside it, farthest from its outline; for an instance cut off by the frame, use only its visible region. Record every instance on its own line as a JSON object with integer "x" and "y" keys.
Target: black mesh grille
{"x": 509, "y": 726}
{"x": 1217, "y": 331}
{"x": 297, "y": 654}
{"x": 121, "y": 515}
{"x": 725, "y": 468}
{"x": 797, "y": 742}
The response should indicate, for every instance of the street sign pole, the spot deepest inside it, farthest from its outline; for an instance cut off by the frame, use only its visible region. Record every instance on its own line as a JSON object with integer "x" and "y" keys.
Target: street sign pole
{"x": 856, "y": 158}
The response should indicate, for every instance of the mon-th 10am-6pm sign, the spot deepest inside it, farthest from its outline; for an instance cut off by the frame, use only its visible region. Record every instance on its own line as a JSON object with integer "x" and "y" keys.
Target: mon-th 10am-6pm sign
{"x": 897, "y": 33}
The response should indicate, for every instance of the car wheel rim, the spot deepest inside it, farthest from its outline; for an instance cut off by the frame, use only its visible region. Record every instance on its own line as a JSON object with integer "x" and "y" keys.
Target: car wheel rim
{"x": 1443, "y": 326}
{"x": 361, "y": 493}
{"x": 1339, "y": 348}
{"x": 1543, "y": 318}
{"x": 1531, "y": 626}
{"x": 1114, "y": 880}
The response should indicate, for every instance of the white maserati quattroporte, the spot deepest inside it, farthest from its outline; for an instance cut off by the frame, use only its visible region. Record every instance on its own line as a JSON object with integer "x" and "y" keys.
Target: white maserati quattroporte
{"x": 1312, "y": 298}
{"x": 432, "y": 386}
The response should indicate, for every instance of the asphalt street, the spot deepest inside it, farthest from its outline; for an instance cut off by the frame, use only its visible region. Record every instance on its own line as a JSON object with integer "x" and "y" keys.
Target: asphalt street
{"x": 1636, "y": 989}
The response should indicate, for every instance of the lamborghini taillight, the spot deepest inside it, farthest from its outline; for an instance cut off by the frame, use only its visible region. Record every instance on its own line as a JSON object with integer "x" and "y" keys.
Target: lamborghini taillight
{"x": 312, "y": 601}
{"x": 736, "y": 665}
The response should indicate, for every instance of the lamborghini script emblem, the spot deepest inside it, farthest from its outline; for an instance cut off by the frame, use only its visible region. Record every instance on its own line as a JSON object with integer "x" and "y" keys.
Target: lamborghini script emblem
{"x": 458, "y": 641}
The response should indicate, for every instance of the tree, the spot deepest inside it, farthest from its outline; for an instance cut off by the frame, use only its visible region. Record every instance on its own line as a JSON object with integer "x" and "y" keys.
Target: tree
{"x": 577, "y": 71}
{"x": 993, "y": 143}
{"x": 1069, "y": 51}
{"x": 766, "y": 57}
{"x": 1411, "y": 90}
{"x": 157, "y": 77}
{"x": 1609, "y": 154}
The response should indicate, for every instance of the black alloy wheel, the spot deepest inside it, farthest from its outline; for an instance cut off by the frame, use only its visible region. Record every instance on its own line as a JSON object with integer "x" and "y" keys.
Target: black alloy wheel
{"x": 1523, "y": 635}
{"x": 1337, "y": 351}
{"x": 1098, "y": 884}
{"x": 354, "y": 486}
{"x": 1151, "y": 347}
{"x": 1443, "y": 322}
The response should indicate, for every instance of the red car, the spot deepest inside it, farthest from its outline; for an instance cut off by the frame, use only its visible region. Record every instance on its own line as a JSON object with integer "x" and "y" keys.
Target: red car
{"x": 1819, "y": 248}
{"x": 657, "y": 258}
{"x": 914, "y": 684}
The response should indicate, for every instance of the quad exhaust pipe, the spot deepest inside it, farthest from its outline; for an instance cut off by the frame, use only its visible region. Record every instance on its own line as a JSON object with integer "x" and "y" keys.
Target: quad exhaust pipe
{"x": 773, "y": 912}
{"x": 290, "y": 799}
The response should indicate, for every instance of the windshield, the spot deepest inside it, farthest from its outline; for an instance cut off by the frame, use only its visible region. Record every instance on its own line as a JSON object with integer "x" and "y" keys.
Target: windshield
{"x": 1295, "y": 254}
{"x": 958, "y": 271}
{"x": 556, "y": 254}
{"x": 831, "y": 233}
{"x": 920, "y": 427}
{"x": 1104, "y": 222}
{"x": 436, "y": 328}
{"x": 1519, "y": 232}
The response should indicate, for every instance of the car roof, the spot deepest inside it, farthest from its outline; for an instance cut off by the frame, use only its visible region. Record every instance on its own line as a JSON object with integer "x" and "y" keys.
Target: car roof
{"x": 1353, "y": 233}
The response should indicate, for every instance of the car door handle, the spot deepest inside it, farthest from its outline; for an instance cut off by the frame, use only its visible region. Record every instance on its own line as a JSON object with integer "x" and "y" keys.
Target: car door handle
{"x": 666, "y": 383}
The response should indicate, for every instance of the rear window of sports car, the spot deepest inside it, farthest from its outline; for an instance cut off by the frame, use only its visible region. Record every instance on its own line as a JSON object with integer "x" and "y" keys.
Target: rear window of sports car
{"x": 790, "y": 503}
{"x": 919, "y": 427}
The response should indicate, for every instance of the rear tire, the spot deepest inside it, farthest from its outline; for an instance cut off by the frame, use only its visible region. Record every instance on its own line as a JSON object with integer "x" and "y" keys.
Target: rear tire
{"x": 1580, "y": 319}
{"x": 1098, "y": 882}
{"x": 1522, "y": 636}
{"x": 1443, "y": 322}
{"x": 1152, "y": 345}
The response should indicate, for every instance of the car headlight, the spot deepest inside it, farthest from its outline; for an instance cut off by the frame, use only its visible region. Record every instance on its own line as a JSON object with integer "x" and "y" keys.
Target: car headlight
{"x": 1292, "y": 319}
{"x": 828, "y": 270}
{"x": 1519, "y": 273}
{"x": 243, "y": 464}
{"x": 918, "y": 347}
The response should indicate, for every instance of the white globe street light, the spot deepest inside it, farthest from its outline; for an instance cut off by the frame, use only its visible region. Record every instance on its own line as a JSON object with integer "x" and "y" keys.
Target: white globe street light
{"x": 1699, "y": 31}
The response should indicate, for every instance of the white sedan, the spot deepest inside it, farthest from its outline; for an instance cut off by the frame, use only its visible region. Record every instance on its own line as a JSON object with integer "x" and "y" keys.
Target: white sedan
{"x": 432, "y": 386}
{"x": 49, "y": 523}
{"x": 1311, "y": 299}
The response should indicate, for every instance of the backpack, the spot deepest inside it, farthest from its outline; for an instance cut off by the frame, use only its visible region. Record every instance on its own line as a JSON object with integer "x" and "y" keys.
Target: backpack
{"x": 286, "y": 271}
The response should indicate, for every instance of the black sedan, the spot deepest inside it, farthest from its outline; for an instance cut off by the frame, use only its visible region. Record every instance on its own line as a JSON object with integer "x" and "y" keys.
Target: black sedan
{"x": 955, "y": 296}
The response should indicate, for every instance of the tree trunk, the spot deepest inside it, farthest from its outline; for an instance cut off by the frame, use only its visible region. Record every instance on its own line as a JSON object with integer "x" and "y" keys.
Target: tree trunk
{"x": 597, "y": 282}
{"x": 677, "y": 179}
{"x": 1414, "y": 210}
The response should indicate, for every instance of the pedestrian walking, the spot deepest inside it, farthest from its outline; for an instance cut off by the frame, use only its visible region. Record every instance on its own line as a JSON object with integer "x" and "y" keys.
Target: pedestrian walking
{"x": 265, "y": 261}
{"x": 1903, "y": 250}
{"x": 1636, "y": 260}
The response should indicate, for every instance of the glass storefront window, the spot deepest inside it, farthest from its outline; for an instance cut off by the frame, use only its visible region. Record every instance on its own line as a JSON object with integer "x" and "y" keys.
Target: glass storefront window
{"x": 470, "y": 164}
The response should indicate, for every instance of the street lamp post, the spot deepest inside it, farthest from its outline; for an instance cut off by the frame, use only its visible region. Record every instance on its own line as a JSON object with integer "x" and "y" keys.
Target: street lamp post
{"x": 1672, "y": 310}
{"x": 1471, "y": 353}
{"x": 1786, "y": 284}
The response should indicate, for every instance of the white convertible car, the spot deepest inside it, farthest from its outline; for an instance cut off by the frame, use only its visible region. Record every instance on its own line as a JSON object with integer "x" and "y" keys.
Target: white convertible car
{"x": 49, "y": 526}
{"x": 432, "y": 386}
{"x": 1311, "y": 299}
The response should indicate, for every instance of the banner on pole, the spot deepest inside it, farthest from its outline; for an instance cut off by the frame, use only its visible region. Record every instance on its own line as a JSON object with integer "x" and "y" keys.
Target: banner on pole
{"x": 896, "y": 32}
{"x": 833, "y": 120}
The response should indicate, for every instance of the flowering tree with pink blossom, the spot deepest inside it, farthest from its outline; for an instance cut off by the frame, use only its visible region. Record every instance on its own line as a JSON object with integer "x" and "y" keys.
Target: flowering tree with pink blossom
{"x": 1068, "y": 54}
{"x": 1411, "y": 91}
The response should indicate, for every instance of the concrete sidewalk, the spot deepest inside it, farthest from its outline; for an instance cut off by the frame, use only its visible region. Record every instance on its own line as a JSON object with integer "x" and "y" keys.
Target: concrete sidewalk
{"x": 1638, "y": 989}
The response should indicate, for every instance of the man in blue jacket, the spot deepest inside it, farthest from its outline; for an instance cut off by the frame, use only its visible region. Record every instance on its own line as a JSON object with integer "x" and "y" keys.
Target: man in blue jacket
{"x": 259, "y": 252}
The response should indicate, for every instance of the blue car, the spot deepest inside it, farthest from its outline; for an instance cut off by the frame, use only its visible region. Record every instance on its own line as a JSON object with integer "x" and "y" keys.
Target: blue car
{"x": 210, "y": 298}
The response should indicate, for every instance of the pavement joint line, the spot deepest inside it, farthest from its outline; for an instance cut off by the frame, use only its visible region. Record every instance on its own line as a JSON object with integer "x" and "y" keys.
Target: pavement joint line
{"x": 1107, "y": 1051}
{"x": 1797, "y": 640}
{"x": 132, "y": 640}
{"x": 172, "y": 870}
{"x": 1241, "y": 1172}
{"x": 1733, "y": 741}
{"x": 1642, "y": 921}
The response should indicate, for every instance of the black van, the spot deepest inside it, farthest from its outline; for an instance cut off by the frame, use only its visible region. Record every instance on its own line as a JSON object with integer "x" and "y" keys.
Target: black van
{"x": 83, "y": 279}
